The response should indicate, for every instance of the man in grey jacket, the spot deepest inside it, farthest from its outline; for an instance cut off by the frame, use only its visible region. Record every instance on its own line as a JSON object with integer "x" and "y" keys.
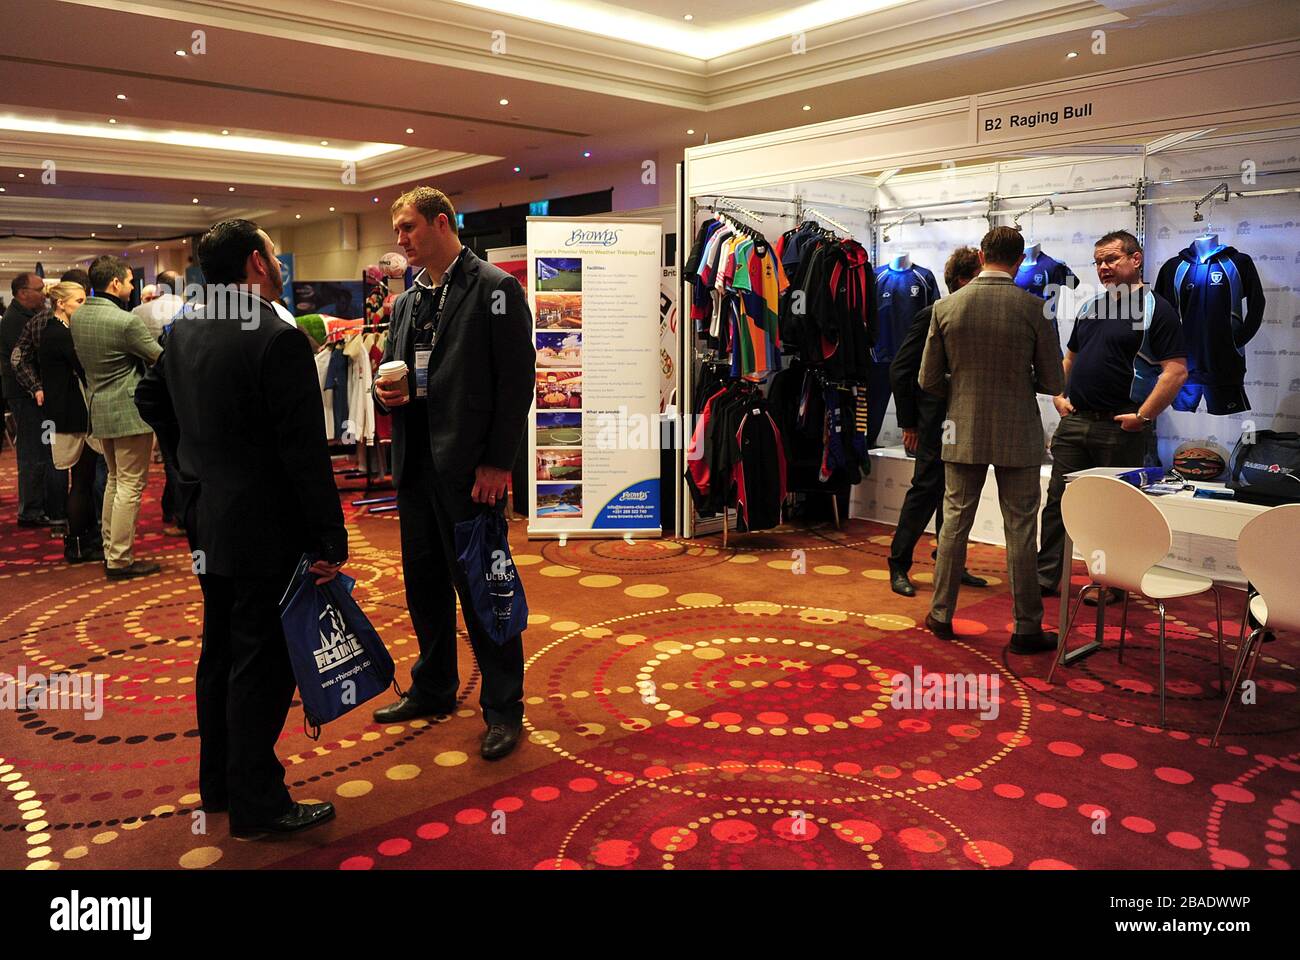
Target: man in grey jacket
{"x": 991, "y": 348}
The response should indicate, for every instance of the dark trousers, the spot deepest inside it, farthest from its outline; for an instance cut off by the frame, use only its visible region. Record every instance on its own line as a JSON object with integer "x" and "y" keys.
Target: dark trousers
{"x": 82, "y": 521}
{"x": 170, "y": 508}
{"x": 923, "y": 501}
{"x": 244, "y": 687}
{"x": 430, "y": 507}
{"x": 878, "y": 395}
{"x": 42, "y": 490}
{"x": 1079, "y": 444}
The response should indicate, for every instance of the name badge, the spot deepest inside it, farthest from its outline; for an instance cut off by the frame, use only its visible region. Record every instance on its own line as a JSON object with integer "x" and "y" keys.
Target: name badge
{"x": 422, "y": 371}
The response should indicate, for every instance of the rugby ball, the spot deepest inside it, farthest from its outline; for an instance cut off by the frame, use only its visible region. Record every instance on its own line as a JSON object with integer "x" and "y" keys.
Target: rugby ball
{"x": 1197, "y": 461}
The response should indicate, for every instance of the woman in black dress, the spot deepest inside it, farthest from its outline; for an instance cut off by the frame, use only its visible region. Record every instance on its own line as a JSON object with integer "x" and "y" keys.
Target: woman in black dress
{"x": 46, "y": 366}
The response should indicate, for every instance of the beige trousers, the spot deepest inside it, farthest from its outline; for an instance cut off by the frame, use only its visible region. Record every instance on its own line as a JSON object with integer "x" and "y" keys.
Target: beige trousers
{"x": 128, "y": 466}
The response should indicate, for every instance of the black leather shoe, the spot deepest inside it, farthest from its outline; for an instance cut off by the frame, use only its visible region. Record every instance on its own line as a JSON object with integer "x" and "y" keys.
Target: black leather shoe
{"x": 409, "y": 708}
{"x": 1114, "y": 596}
{"x": 941, "y": 630}
{"x": 500, "y": 739}
{"x": 302, "y": 816}
{"x": 41, "y": 521}
{"x": 969, "y": 579}
{"x": 1048, "y": 591}
{"x": 137, "y": 569}
{"x": 1039, "y": 642}
{"x": 899, "y": 583}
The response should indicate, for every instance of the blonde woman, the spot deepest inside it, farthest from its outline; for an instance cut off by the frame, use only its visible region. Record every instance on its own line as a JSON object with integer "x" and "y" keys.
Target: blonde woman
{"x": 46, "y": 366}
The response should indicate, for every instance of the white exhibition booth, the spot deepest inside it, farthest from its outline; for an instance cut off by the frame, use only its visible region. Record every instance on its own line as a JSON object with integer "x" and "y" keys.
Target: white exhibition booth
{"x": 1169, "y": 151}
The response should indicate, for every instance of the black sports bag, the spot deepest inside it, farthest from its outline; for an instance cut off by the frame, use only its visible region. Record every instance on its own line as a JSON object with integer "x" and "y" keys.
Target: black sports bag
{"x": 1266, "y": 470}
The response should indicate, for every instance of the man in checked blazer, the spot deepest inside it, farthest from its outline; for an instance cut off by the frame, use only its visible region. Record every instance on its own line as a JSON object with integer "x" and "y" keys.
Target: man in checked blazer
{"x": 991, "y": 348}
{"x": 115, "y": 349}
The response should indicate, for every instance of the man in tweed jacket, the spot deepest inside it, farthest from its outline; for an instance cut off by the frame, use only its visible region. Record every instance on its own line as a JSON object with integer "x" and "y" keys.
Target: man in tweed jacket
{"x": 991, "y": 347}
{"x": 115, "y": 348}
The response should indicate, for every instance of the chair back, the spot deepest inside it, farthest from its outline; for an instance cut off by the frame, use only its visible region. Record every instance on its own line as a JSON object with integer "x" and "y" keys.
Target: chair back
{"x": 1117, "y": 528}
{"x": 1268, "y": 552}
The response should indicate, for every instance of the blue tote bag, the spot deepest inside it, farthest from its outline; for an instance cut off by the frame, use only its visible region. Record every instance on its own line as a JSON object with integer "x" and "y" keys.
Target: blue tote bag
{"x": 338, "y": 659}
{"x": 496, "y": 592}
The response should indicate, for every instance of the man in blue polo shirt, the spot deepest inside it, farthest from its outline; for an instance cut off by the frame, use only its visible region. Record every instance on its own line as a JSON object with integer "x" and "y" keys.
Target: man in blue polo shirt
{"x": 1125, "y": 362}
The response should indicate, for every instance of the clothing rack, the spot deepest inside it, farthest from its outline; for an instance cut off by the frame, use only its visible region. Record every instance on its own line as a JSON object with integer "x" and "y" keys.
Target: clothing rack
{"x": 818, "y": 215}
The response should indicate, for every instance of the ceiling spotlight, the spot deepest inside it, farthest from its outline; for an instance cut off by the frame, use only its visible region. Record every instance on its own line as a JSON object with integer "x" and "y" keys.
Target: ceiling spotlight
{"x": 155, "y": 246}
{"x": 119, "y": 226}
{"x": 194, "y": 200}
{"x": 688, "y": 18}
{"x": 92, "y": 234}
{"x": 2, "y": 189}
{"x": 112, "y": 120}
{"x": 324, "y": 143}
{"x": 121, "y": 96}
{"x": 586, "y": 153}
{"x": 690, "y": 133}
{"x": 807, "y": 106}
{"x": 504, "y": 102}
{"x": 225, "y": 133}
{"x": 21, "y": 176}
{"x": 1071, "y": 55}
{"x": 230, "y": 189}
{"x": 180, "y": 53}
{"x": 517, "y": 169}
{"x": 374, "y": 199}
{"x": 410, "y": 129}
{"x": 331, "y": 209}
{"x": 297, "y": 216}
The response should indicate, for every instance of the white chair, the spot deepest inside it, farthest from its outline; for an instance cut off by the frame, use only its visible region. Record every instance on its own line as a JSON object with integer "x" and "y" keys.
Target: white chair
{"x": 1123, "y": 536}
{"x": 1268, "y": 552}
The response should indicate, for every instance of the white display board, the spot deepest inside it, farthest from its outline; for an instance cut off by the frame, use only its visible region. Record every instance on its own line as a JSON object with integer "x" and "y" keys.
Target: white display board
{"x": 594, "y": 285}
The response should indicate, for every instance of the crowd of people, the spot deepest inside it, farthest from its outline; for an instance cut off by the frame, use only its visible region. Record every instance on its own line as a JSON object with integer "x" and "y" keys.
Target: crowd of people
{"x": 71, "y": 355}
{"x": 235, "y": 408}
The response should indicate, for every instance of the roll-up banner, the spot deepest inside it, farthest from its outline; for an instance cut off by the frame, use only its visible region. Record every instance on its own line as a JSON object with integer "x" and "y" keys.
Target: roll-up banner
{"x": 593, "y": 435}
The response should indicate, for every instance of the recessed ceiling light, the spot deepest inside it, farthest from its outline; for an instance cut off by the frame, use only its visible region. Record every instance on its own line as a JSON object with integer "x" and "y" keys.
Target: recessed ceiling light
{"x": 112, "y": 120}
{"x": 504, "y": 102}
{"x": 324, "y": 143}
{"x": 1071, "y": 55}
{"x": 194, "y": 200}
{"x": 225, "y": 133}
{"x": 331, "y": 209}
{"x": 410, "y": 129}
{"x": 374, "y": 199}
{"x": 121, "y": 96}
{"x": 807, "y": 107}
{"x": 230, "y": 189}
{"x": 517, "y": 169}
{"x": 92, "y": 234}
{"x": 297, "y": 216}
{"x": 21, "y": 176}
{"x": 155, "y": 246}
{"x": 586, "y": 153}
{"x": 119, "y": 226}
{"x": 688, "y": 18}
{"x": 180, "y": 53}
{"x": 690, "y": 132}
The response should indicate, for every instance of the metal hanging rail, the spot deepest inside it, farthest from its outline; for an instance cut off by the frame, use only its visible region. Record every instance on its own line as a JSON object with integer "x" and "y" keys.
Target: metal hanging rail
{"x": 817, "y": 214}
{"x": 1219, "y": 176}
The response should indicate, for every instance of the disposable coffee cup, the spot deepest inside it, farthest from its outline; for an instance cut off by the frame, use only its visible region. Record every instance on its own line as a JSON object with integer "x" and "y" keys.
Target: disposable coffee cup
{"x": 393, "y": 375}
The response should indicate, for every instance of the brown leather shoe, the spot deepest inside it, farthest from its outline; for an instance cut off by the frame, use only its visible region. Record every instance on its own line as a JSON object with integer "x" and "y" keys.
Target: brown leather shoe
{"x": 941, "y": 630}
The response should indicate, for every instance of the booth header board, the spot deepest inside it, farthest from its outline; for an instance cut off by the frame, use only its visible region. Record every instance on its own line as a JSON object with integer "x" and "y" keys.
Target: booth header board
{"x": 594, "y": 286}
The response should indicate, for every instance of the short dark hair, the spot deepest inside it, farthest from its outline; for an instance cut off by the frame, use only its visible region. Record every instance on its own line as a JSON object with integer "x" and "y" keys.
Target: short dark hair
{"x": 1128, "y": 242}
{"x": 169, "y": 281}
{"x": 429, "y": 202}
{"x": 106, "y": 268}
{"x": 1003, "y": 246}
{"x": 76, "y": 275}
{"x": 963, "y": 264}
{"x": 225, "y": 249}
{"x": 20, "y": 282}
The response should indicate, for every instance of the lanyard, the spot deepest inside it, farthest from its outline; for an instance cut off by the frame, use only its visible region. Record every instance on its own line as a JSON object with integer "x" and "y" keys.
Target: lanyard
{"x": 442, "y": 295}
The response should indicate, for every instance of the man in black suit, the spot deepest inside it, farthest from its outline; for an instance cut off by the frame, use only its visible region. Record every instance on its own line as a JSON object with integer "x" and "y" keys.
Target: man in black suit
{"x": 466, "y": 334}
{"x": 921, "y": 416}
{"x": 235, "y": 402}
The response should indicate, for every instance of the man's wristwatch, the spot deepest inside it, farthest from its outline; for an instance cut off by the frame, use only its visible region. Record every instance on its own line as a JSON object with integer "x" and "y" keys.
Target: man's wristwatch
{"x": 1145, "y": 420}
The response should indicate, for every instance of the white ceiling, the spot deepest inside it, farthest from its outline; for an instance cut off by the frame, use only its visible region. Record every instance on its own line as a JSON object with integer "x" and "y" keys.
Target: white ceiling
{"x": 300, "y": 71}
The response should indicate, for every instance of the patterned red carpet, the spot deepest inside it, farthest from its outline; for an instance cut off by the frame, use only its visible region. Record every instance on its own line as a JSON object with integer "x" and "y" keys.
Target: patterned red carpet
{"x": 688, "y": 707}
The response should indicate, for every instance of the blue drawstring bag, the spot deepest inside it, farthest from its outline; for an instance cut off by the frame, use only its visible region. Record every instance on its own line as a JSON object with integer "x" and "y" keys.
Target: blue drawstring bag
{"x": 496, "y": 592}
{"x": 338, "y": 659}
